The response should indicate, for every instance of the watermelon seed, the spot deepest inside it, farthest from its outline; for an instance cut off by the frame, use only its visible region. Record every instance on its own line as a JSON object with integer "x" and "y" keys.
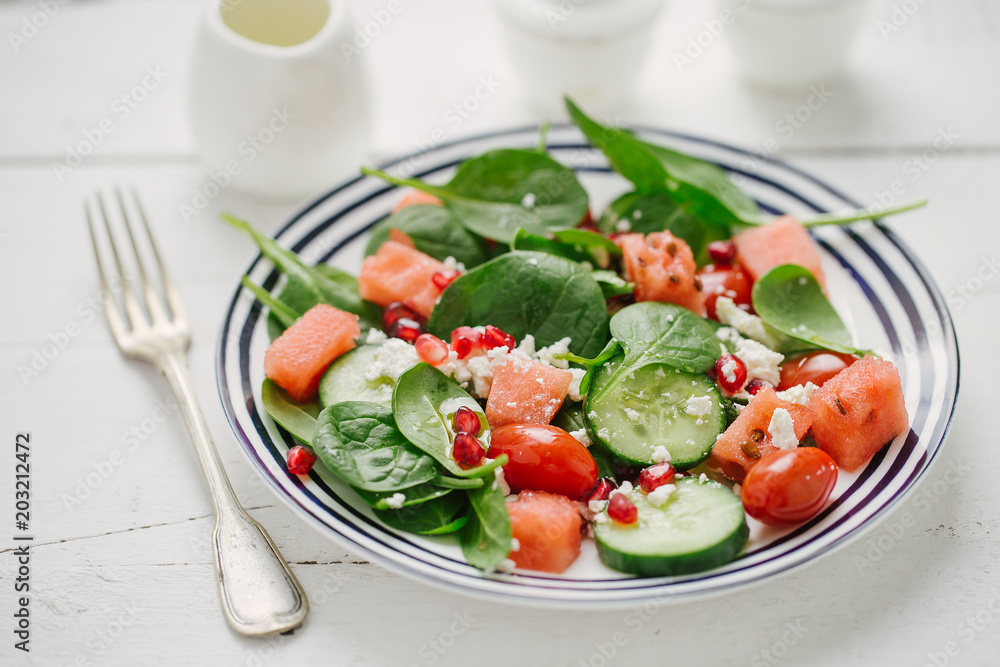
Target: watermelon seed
{"x": 840, "y": 406}
{"x": 750, "y": 450}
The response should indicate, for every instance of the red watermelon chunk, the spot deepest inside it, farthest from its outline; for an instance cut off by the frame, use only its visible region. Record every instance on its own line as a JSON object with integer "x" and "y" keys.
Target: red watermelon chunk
{"x": 526, "y": 392}
{"x": 548, "y": 530}
{"x": 858, "y": 411}
{"x": 663, "y": 269}
{"x": 398, "y": 272}
{"x": 784, "y": 241}
{"x": 297, "y": 358}
{"x": 728, "y": 455}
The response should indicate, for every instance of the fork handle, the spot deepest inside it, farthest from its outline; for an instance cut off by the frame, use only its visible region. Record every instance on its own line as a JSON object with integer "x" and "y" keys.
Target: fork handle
{"x": 260, "y": 594}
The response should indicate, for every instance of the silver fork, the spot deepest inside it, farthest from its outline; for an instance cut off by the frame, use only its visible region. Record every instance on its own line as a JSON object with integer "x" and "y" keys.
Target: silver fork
{"x": 260, "y": 594}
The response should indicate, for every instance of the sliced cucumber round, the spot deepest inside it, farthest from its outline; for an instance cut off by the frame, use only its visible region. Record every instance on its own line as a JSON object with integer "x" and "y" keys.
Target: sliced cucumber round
{"x": 701, "y": 526}
{"x": 345, "y": 380}
{"x": 656, "y": 406}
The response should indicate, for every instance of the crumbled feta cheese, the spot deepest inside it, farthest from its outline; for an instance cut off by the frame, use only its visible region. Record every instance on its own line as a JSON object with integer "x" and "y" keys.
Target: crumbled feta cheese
{"x": 604, "y": 434}
{"x": 623, "y": 226}
{"x": 799, "y": 394}
{"x": 661, "y": 455}
{"x": 375, "y": 337}
{"x": 597, "y": 506}
{"x": 625, "y": 488}
{"x": 592, "y": 414}
{"x": 515, "y": 544}
{"x": 632, "y": 414}
{"x": 702, "y": 478}
{"x": 729, "y": 370}
{"x": 749, "y": 325}
{"x": 782, "y": 430}
{"x": 506, "y": 565}
{"x": 395, "y": 501}
{"x": 547, "y": 355}
{"x": 699, "y": 406}
{"x": 528, "y": 200}
{"x": 574, "y": 392}
{"x": 501, "y": 481}
{"x": 601, "y": 518}
{"x": 581, "y": 436}
{"x": 636, "y": 214}
{"x": 762, "y": 363}
{"x": 393, "y": 358}
{"x": 660, "y": 495}
{"x": 533, "y": 261}
{"x": 453, "y": 264}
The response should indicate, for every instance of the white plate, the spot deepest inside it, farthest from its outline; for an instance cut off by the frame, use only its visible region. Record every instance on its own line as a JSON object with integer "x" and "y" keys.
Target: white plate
{"x": 885, "y": 294}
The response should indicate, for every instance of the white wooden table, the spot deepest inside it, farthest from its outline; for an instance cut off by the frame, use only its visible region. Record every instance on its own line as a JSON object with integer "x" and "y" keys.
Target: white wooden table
{"x": 121, "y": 573}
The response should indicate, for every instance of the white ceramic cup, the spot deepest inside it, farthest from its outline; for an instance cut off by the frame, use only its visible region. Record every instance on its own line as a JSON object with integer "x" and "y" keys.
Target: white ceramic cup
{"x": 792, "y": 43}
{"x": 277, "y": 106}
{"x": 591, "y": 50}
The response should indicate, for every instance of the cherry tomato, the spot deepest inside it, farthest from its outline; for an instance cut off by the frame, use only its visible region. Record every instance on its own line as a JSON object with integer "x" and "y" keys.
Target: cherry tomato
{"x": 816, "y": 367}
{"x": 544, "y": 458}
{"x": 789, "y": 486}
{"x": 730, "y": 280}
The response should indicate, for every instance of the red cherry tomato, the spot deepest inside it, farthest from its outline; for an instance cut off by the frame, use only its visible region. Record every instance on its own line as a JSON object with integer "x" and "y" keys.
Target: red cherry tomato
{"x": 789, "y": 486}
{"x": 544, "y": 458}
{"x": 725, "y": 280}
{"x": 815, "y": 367}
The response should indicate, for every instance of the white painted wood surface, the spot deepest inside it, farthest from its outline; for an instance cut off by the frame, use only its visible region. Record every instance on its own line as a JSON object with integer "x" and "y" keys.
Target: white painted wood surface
{"x": 121, "y": 573}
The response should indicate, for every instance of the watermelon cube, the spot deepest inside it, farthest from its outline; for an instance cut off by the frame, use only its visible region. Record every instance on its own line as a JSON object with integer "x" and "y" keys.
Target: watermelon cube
{"x": 730, "y": 455}
{"x": 547, "y": 529}
{"x": 783, "y": 241}
{"x": 398, "y": 272}
{"x": 297, "y": 358}
{"x": 858, "y": 411}
{"x": 663, "y": 269}
{"x": 526, "y": 392}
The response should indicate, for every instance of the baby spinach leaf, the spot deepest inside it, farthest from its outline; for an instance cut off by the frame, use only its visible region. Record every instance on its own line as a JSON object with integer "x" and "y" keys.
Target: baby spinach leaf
{"x": 434, "y": 231}
{"x": 449, "y": 482}
{"x": 434, "y": 517}
{"x": 789, "y": 299}
{"x": 284, "y": 314}
{"x": 611, "y": 349}
{"x": 844, "y": 217}
{"x": 414, "y": 495}
{"x": 527, "y": 293}
{"x": 485, "y": 539}
{"x": 359, "y": 442}
{"x": 299, "y": 419}
{"x": 612, "y": 284}
{"x": 497, "y": 192}
{"x": 416, "y": 403}
{"x": 660, "y": 333}
{"x": 524, "y": 240}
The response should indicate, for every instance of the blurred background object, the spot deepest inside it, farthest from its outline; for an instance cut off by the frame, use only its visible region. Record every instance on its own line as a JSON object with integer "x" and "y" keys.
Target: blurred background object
{"x": 277, "y": 105}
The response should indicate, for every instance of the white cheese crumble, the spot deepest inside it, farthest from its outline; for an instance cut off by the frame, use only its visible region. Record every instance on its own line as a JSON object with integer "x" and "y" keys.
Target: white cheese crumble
{"x": 660, "y": 495}
{"x": 604, "y": 434}
{"x": 528, "y": 200}
{"x": 395, "y": 501}
{"x": 729, "y": 370}
{"x": 782, "y": 430}
{"x": 799, "y": 394}
{"x": 601, "y": 518}
{"x": 453, "y": 264}
{"x": 501, "y": 481}
{"x": 632, "y": 414}
{"x": 702, "y": 478}
{"x": 515, "y": 544}
{"x": 661, "y": 455}
{"x": 597, "y": 506}
{"x": 375, "y": 337}
{"x": 762, "y": 363}
{"x": 698, "y": 406}
{"x": 637, "y": 214}
{"x": 749, "y": 325}
{"x": 625, "y": 488}
{"x": 506, "y": 565}
{"x": 623, "y": 226}
{"x": 574, "y": 392}
{"x": 581, "y": 437}
{"x": 393, "y": 358}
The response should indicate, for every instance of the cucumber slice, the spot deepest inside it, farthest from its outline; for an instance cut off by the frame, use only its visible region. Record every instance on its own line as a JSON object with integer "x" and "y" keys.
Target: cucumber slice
{"x": 650, "y": 408}
{"x": 345, "y": 380}
{"x": 701, "y": 526}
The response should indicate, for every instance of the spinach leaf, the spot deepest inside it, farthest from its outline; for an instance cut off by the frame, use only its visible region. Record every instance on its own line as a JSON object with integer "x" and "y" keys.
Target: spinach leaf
{"x": 532, "y": 242}
{"x": 485, "y": 539}
{"x": 497, "y": 192}
{"x": 359, "y": 442}
{"x": 435, "y": 517}
{"x": 299, "y": 419}
{"x": 283, "y": 315}
{"x": 612, "y": 284}
{"x": 527, "y": 293}
{"x": 418, "y": 401}
{"x": 415, "y": 495}
{"x": 611, "y": 349}
{"x": 434, "y": 231}
{"x": 579, "y": 245}
{"x": 789, "y": 299}
{"x": 647, "y": 212}
{"x": 660, "y": 333}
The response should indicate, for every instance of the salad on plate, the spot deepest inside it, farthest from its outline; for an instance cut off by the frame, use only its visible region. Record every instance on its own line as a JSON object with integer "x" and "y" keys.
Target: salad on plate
{"x": 509, "y": 371}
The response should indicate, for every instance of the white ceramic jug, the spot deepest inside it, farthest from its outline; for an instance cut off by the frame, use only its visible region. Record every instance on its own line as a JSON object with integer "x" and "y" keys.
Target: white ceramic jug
{"x": 278, "y": 105}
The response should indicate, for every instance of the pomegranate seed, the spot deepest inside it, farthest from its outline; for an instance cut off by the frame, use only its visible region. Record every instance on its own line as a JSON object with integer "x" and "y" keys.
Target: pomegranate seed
{"x": 494, "y": 338}
{"x": 656, "y": 476}
{"x": 397, "y": 311}
{"x": 467, "y": 421}
{"x": 431, "y": 349}
{"x": 602, "y": 490}
{"x": 722, "y": 252}
{"x": 442, "y": 279}
{"x": 466, "y": 341}
{"x": 300, "y": 460}
{"x": 468, "y": 452}
{"x": 405, "y": 329}
{"x": 731, "y": 373}
{"x": 756, "y": 385}
{"x": 621, "y": 509}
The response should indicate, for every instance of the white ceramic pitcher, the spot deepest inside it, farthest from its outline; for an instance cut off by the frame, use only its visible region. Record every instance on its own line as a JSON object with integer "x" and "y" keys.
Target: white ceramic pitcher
{"x": 278, "y": 106}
